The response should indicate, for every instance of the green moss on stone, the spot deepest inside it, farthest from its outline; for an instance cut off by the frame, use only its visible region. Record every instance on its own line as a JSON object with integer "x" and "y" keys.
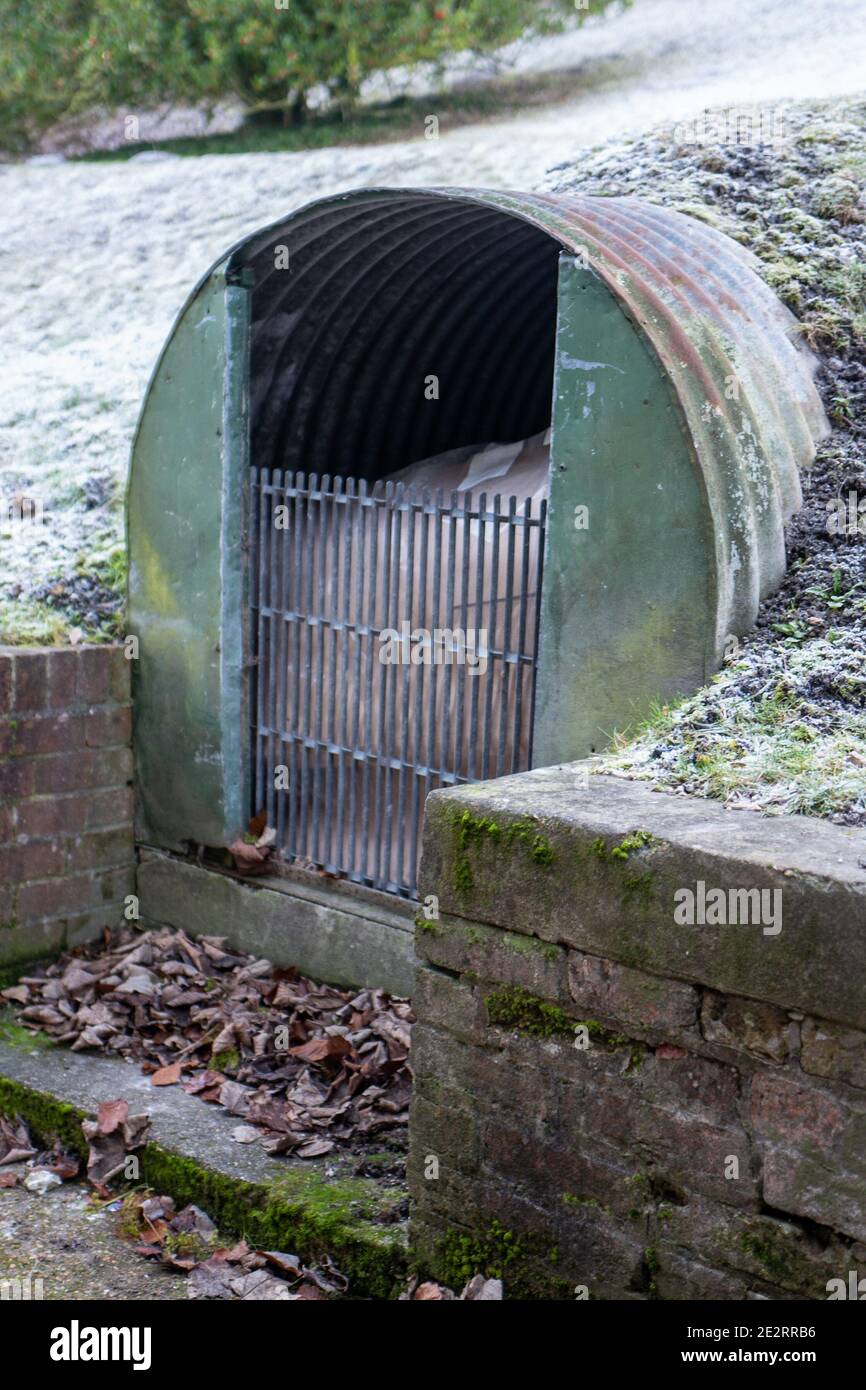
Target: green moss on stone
{"x": 776, "y": 1252}
{"x": 468, "y": 831}
{"x": 636, "y": 887}
{"x": 522, "y": 1262}
{"x": 513, "y": 1007}
{"x": 229, "y": 1060}
{"x": 529, "y": 946}
{"x": 46, "y": 1117}
{"x": 428, "y": 926}
{"x": 14, "y": 1035}
{"x": 636, "y": 840}
{"x": 306, "y": 1211}
{"x": 570, "y": 1199}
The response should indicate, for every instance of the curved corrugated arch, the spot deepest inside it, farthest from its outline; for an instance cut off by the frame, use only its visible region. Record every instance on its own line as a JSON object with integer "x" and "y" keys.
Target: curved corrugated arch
{"x": 389, "y": 286}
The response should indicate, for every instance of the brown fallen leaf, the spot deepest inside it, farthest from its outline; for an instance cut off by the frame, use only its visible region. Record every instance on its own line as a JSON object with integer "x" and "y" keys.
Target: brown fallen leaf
{"x": 64, "y": 1164}
{"x": 15, "y": 994}
{"x": 431, "y": 1293}
{"x": 111, "y": 1115}
{"x": 15, "y": 1142}
{"x": 289, "y": 1265}
{"x": 318, "y": 1049}
{"x": 315, "y": 1148}
{"x": 167, "y": 1076}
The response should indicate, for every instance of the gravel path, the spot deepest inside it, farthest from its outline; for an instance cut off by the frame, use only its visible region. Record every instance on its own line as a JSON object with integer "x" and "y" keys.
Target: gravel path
{"x": 74, "y": 1248}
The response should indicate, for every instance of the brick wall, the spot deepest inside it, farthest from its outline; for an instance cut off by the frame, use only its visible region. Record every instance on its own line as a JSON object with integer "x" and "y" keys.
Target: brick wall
{"x": 66, "y": 839}
{"x": 633, "y": 1125}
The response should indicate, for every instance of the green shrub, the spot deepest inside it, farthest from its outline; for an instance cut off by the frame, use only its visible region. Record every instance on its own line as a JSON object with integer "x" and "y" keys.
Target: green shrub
{"x": 71, "y": 56}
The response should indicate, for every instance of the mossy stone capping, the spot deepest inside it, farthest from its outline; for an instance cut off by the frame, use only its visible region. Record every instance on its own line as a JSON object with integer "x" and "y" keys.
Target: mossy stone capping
{"x": 304, "y": 1212}
{"x": 470, "y": 833}
{"x": 619, "y": 855}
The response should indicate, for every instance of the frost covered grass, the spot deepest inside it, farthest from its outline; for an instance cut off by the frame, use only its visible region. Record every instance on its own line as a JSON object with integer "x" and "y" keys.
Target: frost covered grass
{"x": 783, "y": 726}
{"x": 786, "y": 733}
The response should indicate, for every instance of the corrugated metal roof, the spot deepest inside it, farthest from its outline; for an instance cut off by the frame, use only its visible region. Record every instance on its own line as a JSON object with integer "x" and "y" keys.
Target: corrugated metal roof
{"x": 389, "y": 283}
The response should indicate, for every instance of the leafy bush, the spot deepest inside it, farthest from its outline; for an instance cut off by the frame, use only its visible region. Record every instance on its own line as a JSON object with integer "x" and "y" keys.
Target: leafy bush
{"x": 71, "y": 56}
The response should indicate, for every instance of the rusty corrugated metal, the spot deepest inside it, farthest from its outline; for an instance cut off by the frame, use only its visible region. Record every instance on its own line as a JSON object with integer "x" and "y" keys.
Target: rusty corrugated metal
{"x": 337, "y": 345}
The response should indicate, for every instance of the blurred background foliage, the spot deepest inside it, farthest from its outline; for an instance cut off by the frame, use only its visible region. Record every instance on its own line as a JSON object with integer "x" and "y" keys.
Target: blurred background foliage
{"x": 60, "y": 59}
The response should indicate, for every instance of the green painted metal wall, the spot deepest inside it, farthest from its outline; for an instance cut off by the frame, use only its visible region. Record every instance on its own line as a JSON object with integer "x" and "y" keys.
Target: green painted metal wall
{"x": 628, "y": 614}
{"x": 187, "y": 584}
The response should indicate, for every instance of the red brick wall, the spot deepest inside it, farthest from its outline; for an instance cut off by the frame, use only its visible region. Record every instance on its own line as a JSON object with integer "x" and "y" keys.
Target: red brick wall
{"x": 66, "y": 839}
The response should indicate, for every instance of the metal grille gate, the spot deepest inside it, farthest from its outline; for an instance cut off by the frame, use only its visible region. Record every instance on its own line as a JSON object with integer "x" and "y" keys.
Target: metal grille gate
{"x": 394, "y": 638}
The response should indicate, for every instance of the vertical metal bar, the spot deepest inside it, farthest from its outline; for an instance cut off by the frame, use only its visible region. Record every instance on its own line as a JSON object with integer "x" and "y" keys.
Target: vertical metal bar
{"x": 494, "y": 673}
{"x": 459, "y": 663}
{"x": 374, "y": 669}
{"x": 312, "y": 549}
{"x": 323, "y": 676}
{"x": 354, "y": 699}
{"x": 261, "y": 760}
{"x": 521, "y": 634}
{"x": 434, "y": 728}
{"x": 506, "y": 644}
{"x": 342, "y": 691}
{"x": 390, "y": 696}
{"x": 254, "y": 655}
{"x": 384, "y": 672}
{"x": 416, "y": 808}
{"x": 282, "y": 656}
{"x": 477, "y": 677}
{"x": 408, "y": 672}
{"x": 293, "y": 718}
{"x": 274, "y": 745}
{"x": 539, "y": 575}
{"x": 449, "y": 619}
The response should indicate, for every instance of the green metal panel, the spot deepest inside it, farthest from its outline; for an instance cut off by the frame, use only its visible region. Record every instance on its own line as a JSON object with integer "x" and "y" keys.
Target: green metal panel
{"x": 627, "y": 608}
{"x": 187, "y": 599}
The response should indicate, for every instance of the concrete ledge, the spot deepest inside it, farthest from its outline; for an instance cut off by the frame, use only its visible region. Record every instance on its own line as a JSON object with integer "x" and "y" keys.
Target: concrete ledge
{"x": 594, "y": 863}
{"x": 315, "y": 1208}
{"x": 333, "y": 931}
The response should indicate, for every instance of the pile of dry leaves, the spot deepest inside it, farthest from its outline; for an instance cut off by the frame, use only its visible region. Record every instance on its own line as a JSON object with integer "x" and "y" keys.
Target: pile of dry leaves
{"x": 185, "y": 1240}
{"x": 306, "y": 1067}
{"x": 189, "y": 1241}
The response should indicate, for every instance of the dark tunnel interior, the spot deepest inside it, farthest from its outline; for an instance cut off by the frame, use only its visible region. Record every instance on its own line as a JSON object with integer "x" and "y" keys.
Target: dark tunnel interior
{"x": 381, "y": 294}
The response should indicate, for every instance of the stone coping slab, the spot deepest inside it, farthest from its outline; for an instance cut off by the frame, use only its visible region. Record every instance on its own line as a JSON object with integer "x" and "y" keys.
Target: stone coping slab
{"x": 600, "y": 863}
{"x": 312, "y": 1208}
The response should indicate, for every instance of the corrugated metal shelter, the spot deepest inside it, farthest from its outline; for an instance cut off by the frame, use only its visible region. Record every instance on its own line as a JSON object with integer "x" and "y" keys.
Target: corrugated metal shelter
{"x": 682, "y": 409}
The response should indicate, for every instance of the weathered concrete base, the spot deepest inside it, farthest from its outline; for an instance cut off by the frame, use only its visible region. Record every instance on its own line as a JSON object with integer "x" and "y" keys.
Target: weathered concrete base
{"x": 332, "y": 931}
{"x": 313, "y": 1208}
{"x": 612, "y": 1100}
